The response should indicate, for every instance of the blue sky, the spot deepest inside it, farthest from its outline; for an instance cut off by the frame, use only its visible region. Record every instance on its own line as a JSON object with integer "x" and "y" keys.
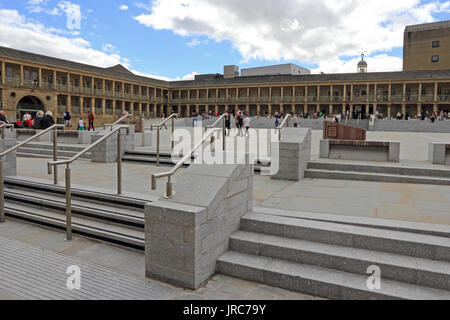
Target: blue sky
{"x": 177, "y": 38}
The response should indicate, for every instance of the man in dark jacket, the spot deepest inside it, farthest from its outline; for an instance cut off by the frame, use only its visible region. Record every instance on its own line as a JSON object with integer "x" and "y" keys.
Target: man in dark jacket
{"x": 47, "y": 121}
{"x": 38, "y": 120}
{"x": 3, "y": 116}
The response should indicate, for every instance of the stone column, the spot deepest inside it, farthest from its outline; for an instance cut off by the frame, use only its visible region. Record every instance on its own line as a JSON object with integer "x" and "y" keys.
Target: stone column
{"x": 435, "y": 92}
{"x": 92, "y": 85}
{"x": 374, "y": 108}
{"x": 420, "y": 92}
{"x": 331, "y": 110}
{"x": 389, "y": 93}
{"x": 69, "y": 103}
{"x": 375, "y": 93}
{"x": 435, "y": 108}
{"x": 404, "y": 92}
{"x": 270, "y": 109}
{"x": 351, "y": 94}
{"x": 21, "y": 75}
{"x": 258, "y": 110}
{"x": 389, "y": 111}
{"x": 3, "y": 72}
{"x": 306, "y": 94}
{"x": 259, "y": 94}
{"x": 419, "y": 108}
{"x": 114, "y": 105}
{"x": 81, "y": 105}
{"x": 345, "y": 93}
{"x": 103, "y": 106}
{"x": 40, "y": 78}
{"x": 331, "y": 93}
{"x": 404, "y": 110}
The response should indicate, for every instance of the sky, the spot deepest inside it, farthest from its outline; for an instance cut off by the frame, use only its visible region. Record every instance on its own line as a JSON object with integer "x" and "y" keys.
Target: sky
{"x": 176, "y": 39}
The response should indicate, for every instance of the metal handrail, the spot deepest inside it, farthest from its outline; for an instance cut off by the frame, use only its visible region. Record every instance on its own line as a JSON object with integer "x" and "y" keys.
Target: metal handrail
{"x": 118, "y": 121}
{"x": 169, "y": 174}
{"x": 171, "y": 117}
{"x": 281, "y": 126}
{"x": 17, "y": 146}
{"x": 223, "y": 118}
{"x": 68, "y": 173}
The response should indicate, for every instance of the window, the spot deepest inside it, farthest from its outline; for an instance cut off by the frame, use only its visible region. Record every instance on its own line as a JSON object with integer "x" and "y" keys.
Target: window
{"x": 434, "y": 58}
{"x": 435, "y": 44}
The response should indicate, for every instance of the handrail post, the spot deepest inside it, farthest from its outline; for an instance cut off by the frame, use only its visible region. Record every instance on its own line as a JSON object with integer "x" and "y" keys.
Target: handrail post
{"x": 55, "y": 154}
{"x": 169, "y": 190}
{"x": 157, "y": 146}
{"x": 143, "y": 131}
{"x": 224, "y": 134}
{"x": 172, "y": 136}
{"x": 2, "y": 193}
{"x": 68, "y": 206}
{"x": 119, "y": 163}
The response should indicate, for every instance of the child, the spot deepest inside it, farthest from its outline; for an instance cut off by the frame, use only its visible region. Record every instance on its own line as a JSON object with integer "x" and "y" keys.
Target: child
{"x": 81, "y": 126}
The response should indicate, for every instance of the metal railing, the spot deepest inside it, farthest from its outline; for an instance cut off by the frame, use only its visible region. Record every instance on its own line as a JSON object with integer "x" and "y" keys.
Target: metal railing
{"x": 223, "y": 119}
{"x": 158, "y": 134}
{"x": 169, "y": 174}
{"x": 281, "y": 126}
{"x": 17, "y": 146}
{"x": 125, "y": 117}
{"x": 3, "y": 126}
{"x": 68, "y": 162}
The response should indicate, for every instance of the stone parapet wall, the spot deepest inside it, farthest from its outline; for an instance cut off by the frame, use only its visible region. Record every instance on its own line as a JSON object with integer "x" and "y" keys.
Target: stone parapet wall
{"x": 187, "y": 233}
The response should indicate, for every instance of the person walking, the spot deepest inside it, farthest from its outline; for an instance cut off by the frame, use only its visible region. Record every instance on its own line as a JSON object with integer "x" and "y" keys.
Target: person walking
{"x": 3, "y": 117}
{"x": 239, "y": 123}
{"x": 81, "y": 126}
{"x": 247, "y": 122}
{"x": 91, "y": 118}
{"x": 228, "y": 122}
{"x": 295, "y": 120}
{"x": 67, "y": 118}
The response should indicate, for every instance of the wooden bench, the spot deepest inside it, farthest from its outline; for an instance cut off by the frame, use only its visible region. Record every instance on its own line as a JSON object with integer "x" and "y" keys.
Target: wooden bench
{"x": 360, "y": 150}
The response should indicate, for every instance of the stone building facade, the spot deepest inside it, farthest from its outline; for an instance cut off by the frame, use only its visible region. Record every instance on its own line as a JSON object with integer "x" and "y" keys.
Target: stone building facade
{"x": 31, "y": 82}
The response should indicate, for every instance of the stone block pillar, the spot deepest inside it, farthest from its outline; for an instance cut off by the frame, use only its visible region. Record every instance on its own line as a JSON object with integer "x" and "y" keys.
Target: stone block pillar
{"x": 106, "y": 152}
{"x": 291, "y": 154}
{"x": 185, "y": 235}
{"x": 9, "y": 162}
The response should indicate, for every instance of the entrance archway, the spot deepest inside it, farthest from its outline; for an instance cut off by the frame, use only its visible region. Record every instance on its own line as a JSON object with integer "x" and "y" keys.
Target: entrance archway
{"x": 30, "y": 104}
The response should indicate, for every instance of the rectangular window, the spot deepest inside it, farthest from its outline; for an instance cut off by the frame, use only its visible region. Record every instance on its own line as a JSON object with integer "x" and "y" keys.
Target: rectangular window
{"x": 434, "y": 58}
{"x": 9, "y": 72}
{"x": 435, "y": 44}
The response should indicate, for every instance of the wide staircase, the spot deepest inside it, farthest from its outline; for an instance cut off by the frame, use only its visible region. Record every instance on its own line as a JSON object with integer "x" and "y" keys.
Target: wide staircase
{"x": 377, "y": 172}
{"x": 45, "y": 150}
{"x": 110, "y": 218}
{"x": 165, "y": 158}
{"x": 329, "y": 256}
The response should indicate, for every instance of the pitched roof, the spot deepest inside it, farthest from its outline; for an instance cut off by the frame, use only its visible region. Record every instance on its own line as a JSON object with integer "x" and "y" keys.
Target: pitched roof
{"x": 113, "y": 72}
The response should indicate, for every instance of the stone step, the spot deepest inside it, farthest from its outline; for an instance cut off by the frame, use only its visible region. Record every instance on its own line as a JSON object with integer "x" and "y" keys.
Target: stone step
{"x": 318, "y": 281}
{"x": 396, "y": 242}
{"x": 378, "y": 223}
{"x": 105, "y": 232}
{"x": 49, "y": 153}
{"x": 132, "y": 219}
{"x": 92, "y": 195}
{"x": 62, "y": 147}
{"x": 379, "y": 177}
{"x": 389, "y": 169}
{"x": 416, "y": 271}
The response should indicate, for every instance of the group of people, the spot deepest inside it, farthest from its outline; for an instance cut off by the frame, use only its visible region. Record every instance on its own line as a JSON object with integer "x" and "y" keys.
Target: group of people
{"x": 81, "y": 123}
{"x": 41, "y": 121}
{"x": 45, "y": 120}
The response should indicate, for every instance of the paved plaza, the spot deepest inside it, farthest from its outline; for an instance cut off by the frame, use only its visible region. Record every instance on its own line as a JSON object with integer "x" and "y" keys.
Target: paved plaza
{"x": 45, "y": 278}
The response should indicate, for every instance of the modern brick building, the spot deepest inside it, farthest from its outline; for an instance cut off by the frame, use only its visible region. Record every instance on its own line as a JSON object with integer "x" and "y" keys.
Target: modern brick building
{"x": 427, "y": 46}
{"x": 31, "y": 82}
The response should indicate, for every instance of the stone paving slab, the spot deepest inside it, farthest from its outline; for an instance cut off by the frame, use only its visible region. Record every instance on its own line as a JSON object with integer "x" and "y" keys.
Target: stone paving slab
{"x": 30, "y": 272}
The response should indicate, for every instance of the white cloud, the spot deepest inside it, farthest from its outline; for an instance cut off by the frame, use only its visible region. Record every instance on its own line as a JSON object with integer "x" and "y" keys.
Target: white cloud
{"x": 195, "y": 42}
{"x": 189, "y": 76}
{"x": 123, "y": 7}
{"x": 17, "y": 32}
{"x": 314, "y": 32}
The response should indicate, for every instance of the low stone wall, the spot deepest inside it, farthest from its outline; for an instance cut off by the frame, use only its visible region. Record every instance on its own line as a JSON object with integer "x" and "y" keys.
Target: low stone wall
{"x": 24, "y": 134}
{"x": 9, "y": 162}
{"x": 187, "y": 233}
{"x": 317, "y": 124}
{"x": 360, "y": 150}
{"x": 439, "y": 153}
{"x": 291, "y": 154}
